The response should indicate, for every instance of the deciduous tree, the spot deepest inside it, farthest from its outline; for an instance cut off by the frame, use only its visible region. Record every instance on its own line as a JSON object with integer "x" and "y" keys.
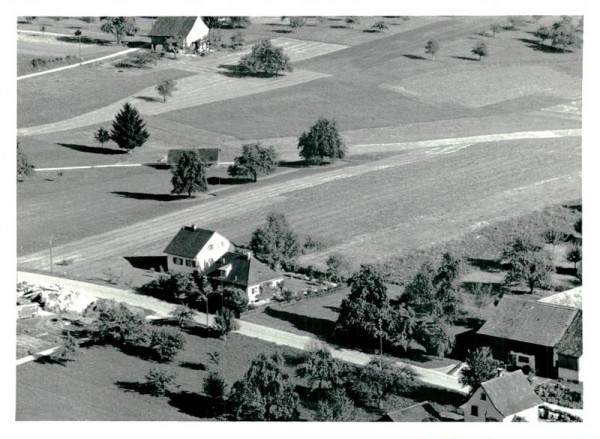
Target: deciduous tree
{"x": 335, "y": 407}
{"x": 128, "y": 128}
{"x": 435, "y": 337}
{"x": 380, "y": 379}
{"x": 533, "y": 268}
{"x": 495, "y": 28}
{"x": 480, "y": 49}
{"x": 239, "y": 22}
{"x": 183, "y": 315}
{"x": 102, "y": 136}
{"x": 322, "y": 141}
{"x": 338, "y": 267}
{"x": 482, "y": 294}
{"x": 275, "y": 242}
{"x": 319, "y": 366}
{"x": 431, "y": 48}
{"x": 380, "y": 26}
{"x": 166, "y": 88}
{"x": 165, "y": 343}
{"x": 265, "y": 392}
{"x": 159, "y": 381}
{"x": 174, "y": 287}
{"x": 265, "y": 59}
{"x": 574, "y": 255}
{"x": 297, "y": 22}
{"x": 225, "y": 322}
{"x": 189, "y": 174}
{"x": 553, "y": 236}
{"x": 481, "y": 366}
{"x": 255, "y": 160}
{"x": 119, "y": 27}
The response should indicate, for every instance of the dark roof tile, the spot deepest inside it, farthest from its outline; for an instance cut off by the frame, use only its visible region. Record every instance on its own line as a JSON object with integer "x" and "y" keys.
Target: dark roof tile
{"x": 188, "y": 242}
{"x": 511, "y": 393}
{"x": 172, "y": 26}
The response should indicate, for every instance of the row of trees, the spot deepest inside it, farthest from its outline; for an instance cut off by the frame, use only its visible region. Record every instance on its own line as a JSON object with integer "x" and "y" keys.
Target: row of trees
{"x": 424, "y": 312}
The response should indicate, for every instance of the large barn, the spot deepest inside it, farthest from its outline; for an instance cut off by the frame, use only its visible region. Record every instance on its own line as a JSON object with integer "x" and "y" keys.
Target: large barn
{"x": 189, "y": 32}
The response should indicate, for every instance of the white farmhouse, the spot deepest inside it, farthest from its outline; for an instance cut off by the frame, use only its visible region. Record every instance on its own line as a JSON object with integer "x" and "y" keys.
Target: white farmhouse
{"x": 189, "y": 32}
{"x": 503, "y": 398}
{"x": 195, "y": 249}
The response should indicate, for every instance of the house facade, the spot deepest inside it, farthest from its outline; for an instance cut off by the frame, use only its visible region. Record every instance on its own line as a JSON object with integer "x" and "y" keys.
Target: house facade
{"x": 244, "y": 271}
{"x": 212, "y": 255}
{"x": 503, "y": 398}
{"x": 190, "y": 33}
{"x": 527, "y": 334}
{"x": 195, "y": 249}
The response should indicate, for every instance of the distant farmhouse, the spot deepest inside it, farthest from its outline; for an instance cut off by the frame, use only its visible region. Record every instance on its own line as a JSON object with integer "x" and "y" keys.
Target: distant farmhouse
{"x": 538, "y": 336}
{"x": 189, "y": 32}
{"x": 212, "y": 255}
{"x": 210, "y": 156}
{"x": 503, "y": 398}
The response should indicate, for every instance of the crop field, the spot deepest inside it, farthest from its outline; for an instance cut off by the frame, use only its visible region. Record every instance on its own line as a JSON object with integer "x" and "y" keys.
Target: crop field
{"x": 30, "y": 47}
{"x": 415, "y": 193}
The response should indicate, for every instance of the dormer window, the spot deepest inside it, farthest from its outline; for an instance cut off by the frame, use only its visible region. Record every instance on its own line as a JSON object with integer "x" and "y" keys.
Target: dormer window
{"x": 210, "y": 246}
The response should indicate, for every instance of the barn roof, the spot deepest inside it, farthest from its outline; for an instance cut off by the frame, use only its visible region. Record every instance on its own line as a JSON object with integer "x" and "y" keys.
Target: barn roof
{"x": 245, "y": 270}
{"x": 414, "y": 413}
{"x": 188, "y": 242}
{"x": 572, "y": 298}
{"x": 172, "y": 26}
{"x": 538, "y": 323}
{"x": 511, "y": 393}
{"x": 572, "y": 342}
{"x": 208, "y": 155}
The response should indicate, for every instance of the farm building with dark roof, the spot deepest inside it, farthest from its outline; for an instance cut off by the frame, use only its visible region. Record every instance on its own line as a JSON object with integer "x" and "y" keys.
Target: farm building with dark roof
{"x": 528, "y": 334}
{"x": 189, "y": 32}
{"x": 502, "y": 398}
{"x": 208, "y": 155}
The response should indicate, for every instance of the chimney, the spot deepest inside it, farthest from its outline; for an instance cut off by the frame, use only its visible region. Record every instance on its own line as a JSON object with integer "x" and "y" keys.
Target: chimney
{"x": 193, "y": 226}
{"x": 500, "y": 371}
{"x": 249, "y": 255}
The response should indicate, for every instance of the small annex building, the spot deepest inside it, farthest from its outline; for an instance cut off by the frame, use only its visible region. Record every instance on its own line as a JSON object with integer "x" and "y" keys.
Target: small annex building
{"x": 210, "y": 156}
{"x": 244, "y": 271}
{"x": 212, "y": 255}
{"x": 503, "y": 398}
{"x": 421, "y": 412}
{"x": 189, "y": 32}
{"x": 534, "y": 335}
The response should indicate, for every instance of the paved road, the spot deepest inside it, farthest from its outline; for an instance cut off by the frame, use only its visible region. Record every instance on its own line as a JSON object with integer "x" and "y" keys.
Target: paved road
{"x": 162, "y": 309}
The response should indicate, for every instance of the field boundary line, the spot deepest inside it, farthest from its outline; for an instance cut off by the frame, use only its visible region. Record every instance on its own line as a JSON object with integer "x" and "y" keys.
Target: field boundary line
{"x": 72, "y": 66}
{"x": 37, "y": 32}
{"x": 67, "y": 168}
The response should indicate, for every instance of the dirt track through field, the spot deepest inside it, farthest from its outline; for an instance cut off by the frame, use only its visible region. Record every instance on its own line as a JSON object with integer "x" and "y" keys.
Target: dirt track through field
{"x": 118, "y": 243}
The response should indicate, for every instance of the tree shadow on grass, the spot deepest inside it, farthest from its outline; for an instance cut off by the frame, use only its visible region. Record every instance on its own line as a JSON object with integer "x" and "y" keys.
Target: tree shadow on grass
{"x": 84, "y": 40}
{"x": 148, "y": 262}
{"x": 416, "y": 57}
{"x": 437, "y": 395}
{"x": 51, "y": 359}
{"x": 149, "y": 99}
{"x": 573, "y": 207}
{"x": 338, "y": 26}
{"x": 133, "y": 386}
{"x": 194, "y": 404}
{"x": 566, "y": 271}
{"x": 465, "y": 58}
{"x": 228, "y": 180}
{"x": 537, "y": 46}
{"x": 193, "y": 366}
{"x": 488, "y": 265}
{"x": 333, "y": 308}
{"x": 322, "y": 328}
{"x": 371, "y": 31}
{"x": 147, "y": 196}
{"x": 92, "y": 149}
{"x": 282, "y": 31}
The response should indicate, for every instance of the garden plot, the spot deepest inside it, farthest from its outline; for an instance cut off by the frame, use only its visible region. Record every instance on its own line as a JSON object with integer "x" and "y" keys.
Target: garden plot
{"x": 195, "y": 90}
{"x": 495, "y": 84}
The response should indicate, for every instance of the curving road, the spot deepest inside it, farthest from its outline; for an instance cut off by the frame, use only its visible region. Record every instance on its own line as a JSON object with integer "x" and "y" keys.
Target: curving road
{"x": 162, "y": 309}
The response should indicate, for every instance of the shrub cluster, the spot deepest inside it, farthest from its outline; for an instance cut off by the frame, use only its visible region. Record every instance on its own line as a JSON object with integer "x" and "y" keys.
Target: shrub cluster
{"x": 43, "y": 62}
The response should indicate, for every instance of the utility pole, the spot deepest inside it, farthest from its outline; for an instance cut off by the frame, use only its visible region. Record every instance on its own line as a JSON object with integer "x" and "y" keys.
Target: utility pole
{"x": 78, "y": 35}
{"x": 51, "y": 254}
{"x": 380, "y": 342}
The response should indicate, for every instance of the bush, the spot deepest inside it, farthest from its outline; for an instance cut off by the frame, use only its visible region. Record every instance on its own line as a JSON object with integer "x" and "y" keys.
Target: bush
{"x": 139, "y": 60}
{"x": 159, "y": 381}
{"x": 214, "y": 386}
{"x": 556, "y": 393}
{"x": 165, "y": 343}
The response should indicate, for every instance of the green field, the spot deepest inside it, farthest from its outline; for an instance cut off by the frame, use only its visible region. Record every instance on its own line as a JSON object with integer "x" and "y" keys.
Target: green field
{"x": 100, "y": 385}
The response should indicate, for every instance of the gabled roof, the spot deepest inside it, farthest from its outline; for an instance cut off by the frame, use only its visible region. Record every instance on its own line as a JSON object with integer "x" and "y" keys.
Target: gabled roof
{"x": 245, "y": 270}
{"x": 172, "y": 26}
{"x": 188, "y": 242}
{"x": 572, "y": 298}
{"x": 414, "y": 413}
{"x": 511, "y": 393}
{"x": 538, "y": 323}
{"x": 208, "y": 155}
{"x": 572, "y": 342}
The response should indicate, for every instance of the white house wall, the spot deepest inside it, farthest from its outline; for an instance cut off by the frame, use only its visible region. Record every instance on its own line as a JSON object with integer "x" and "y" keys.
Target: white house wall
{"x": 214, "y": 249}
{"x": 198, "y": 31}
{"x": 485, "y": 408}
{"x": 529, "y": 415}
